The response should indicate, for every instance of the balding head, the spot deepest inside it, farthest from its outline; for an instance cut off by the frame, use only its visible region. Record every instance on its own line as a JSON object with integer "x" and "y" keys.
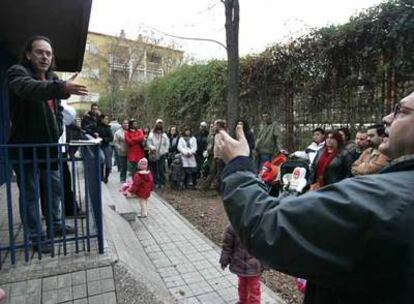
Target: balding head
{"x": 400, "y": 129}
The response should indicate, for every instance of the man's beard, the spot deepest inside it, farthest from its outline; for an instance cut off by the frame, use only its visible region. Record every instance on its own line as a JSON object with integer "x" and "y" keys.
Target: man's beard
{"x": 158, "y": 128}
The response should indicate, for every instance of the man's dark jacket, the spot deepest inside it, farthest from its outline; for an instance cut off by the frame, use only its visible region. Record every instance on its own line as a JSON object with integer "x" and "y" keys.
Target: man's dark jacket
{"x": 355, "y": 237}
{"x": 105, "y": 133}
{"x": 32, "y": 119}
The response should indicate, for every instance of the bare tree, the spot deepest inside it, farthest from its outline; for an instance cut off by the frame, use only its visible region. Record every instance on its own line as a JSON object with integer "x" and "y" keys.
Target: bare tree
{"x": 232, "y": 9}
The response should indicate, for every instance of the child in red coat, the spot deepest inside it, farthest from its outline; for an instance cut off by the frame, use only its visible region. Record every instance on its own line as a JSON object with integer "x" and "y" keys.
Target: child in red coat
{"x": 142, "y": 185}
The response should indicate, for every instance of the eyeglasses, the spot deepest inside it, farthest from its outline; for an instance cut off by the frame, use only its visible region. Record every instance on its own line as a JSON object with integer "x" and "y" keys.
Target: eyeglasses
{"x": 398, "y": 107}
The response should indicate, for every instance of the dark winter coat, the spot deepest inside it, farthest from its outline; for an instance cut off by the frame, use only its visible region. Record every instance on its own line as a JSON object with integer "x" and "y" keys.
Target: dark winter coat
{"x": 33, "y": 121}
{"x": 89, "y": 122}
{"x": 354, "y": 238}
{"x": 105, "y": 133}
{"x": 142, "y": 184}
{"x": 202, "y": 142}
{"x": 234, "y": 253}
{"x": 134, "y": 141}
{"x": 338, "y": 169}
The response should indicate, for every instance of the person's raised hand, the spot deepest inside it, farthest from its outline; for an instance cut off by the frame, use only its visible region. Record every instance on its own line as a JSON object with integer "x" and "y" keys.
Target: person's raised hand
{"x": 231, "y": 148}
{"x": 73, "y": 88}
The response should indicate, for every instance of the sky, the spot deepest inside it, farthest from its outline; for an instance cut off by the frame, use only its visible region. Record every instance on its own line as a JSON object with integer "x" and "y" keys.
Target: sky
{"x": 262, "y": 22}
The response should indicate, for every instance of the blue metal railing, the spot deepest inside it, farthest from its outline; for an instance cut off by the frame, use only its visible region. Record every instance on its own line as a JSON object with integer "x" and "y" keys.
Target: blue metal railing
{"x": 64, "y": 184}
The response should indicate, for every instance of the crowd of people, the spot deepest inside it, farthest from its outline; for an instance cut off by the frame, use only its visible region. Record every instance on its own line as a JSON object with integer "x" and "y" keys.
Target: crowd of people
{"x": 350, "y": 238}
{"x": 192, "y": 159}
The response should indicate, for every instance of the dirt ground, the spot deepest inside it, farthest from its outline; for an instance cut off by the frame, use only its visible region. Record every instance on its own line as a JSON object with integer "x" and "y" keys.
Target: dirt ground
{"x": 205, "y": 211}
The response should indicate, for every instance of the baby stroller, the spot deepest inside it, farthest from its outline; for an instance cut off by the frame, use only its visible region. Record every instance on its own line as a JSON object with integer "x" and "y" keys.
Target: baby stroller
{"x": 290, "y": 172}
{"x": 177, "y": 174}
{"x": 270, "y": 173}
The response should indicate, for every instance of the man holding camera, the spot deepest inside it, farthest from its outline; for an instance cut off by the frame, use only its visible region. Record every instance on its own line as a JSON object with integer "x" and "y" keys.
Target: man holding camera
{"x": 353, "y": 240}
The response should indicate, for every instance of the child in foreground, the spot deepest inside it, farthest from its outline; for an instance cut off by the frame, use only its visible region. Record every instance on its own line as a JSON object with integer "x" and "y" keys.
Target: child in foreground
{"x": 246, "y": 267}
{"x": 142, "y": 185}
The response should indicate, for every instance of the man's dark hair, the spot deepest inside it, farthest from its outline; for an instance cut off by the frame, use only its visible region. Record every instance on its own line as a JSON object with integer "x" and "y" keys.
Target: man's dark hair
{"x": 346, "y": 132}
{"x": 94, "y": 105}
{"x": 379, "y": 127}
{"x": 319, "y": 130}
{"x": 102, "y": 116}
{"x": 28, "y": 48}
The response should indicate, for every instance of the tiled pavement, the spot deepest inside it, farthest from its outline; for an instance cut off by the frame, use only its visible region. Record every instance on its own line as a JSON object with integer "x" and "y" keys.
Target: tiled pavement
{"x": 93, "y": 286}
{"x": 186, "y": 260}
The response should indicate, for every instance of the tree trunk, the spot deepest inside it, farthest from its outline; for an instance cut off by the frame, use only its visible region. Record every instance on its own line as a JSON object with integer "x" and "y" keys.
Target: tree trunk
{"x": 232, "y": 38}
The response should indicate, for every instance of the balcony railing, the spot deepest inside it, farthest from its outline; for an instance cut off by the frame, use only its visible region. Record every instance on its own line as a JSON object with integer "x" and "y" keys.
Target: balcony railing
{"x": 52, "y": 205}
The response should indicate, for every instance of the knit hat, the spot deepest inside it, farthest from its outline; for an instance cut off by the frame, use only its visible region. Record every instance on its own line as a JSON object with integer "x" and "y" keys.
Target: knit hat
{"x": 143, "y": 164}
{"x": 159, "y": 120}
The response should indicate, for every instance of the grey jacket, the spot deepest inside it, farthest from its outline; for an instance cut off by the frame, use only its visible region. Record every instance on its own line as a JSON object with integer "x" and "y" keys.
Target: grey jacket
{"x": 119, "y": 142}
{"x": 355, "y": 237}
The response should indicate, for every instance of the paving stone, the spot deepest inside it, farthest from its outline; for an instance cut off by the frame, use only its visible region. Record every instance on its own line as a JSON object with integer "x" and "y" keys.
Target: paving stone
{"x": 109, "y": 298}
{"x": 65, "y": 294}
{"x": 202, "y": 265}
{"x": 18, "y": 299}
{"x": 200, "y": 288}
{"x": 107, "y": 285}
{"x": 92, "y": 274}
{"x": 97, "y": 299}
{"x": 79, "y": 291}
{"x": 34, "y": 286}
{"x": 64, "y": 280}
{"x": 210, "y": 273}
{"x": 94, "y": 288}
{"x": 180, "y": 292}
{"x": 195, "y": 257}
{"x": 229, "y": 294}
{"x": 192, "y": 277}
{"x": 50, "y": 297}
{"x": 49, "y": 283}
{"x": 220, "y": 283}
{"x": 185, "y": 268}
{"x": 192, "y": 300}
{"x": 106, "y": 272}
{"x": 78, "y": 277}
{"x": 174, "y": 281}
{"x": 18, "y": 288}
{"x": 211, "y": 297}
{"x": 81, "y": 301}
{"x": 168, "y": 272}
{"x": 162, "y": 263}
{"x": 153, "y": 248}
{"x": 34, "y": 298}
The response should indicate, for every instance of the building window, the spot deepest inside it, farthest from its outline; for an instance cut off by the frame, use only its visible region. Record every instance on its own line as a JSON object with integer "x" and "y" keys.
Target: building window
{"x": 91, "y": 49}
{"x": 154, "y": 57}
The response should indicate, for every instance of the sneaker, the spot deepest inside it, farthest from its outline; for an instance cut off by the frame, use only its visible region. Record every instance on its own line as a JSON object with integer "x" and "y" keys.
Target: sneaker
{"x": 79, "y": 214}
{"x": 45, "y": 248}
{"x": 59, "y": 231}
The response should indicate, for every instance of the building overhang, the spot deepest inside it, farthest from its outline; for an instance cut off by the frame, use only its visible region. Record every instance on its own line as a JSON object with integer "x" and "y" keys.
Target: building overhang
{"x": 65, "y": 22}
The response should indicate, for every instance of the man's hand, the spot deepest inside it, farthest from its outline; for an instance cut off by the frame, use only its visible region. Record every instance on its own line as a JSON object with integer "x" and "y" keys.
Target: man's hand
{"x": 74, "y": 88}
{"x": 231, "y": 148}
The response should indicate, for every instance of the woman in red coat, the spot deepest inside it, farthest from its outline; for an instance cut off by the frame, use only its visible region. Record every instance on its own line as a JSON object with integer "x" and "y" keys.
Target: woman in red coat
{"x": 142, "y": 185}
{"x": 134, "y": 138}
